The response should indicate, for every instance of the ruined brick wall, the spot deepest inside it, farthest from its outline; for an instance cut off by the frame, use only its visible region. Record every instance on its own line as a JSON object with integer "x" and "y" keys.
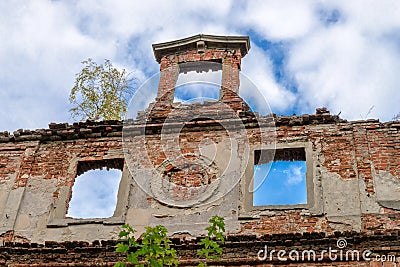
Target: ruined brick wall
{"x": 354, "y": 199}
{"x": 182, "y": 164}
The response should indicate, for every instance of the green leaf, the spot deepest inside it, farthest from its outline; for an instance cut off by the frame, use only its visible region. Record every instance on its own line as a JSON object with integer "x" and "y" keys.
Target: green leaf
{"x": 122, "y": 248}
{"x": 211, "y": 249}
{"x": 123, "y": 234}
{"x": 153, "y": 248}
{"x": 132, "y": 258}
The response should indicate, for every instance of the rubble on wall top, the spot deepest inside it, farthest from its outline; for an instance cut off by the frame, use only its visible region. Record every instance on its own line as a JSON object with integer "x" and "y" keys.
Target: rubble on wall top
{"x": 113, "y": 128}
{"x": 318, "y": 118}
{"x": 66, "y": 131}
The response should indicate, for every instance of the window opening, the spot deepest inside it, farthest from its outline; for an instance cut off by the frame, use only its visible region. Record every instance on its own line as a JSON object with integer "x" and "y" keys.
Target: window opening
{"x": 95, "y": 190}
{"x": 198, "y": 82}
{"x": 281, "y": 181}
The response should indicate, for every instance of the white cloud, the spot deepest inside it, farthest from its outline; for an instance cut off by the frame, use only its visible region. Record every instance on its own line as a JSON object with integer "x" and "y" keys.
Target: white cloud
{"x": 277, "y": 20}
{"x": 296, "y": 175}
{"x": 370, "y": 16}
{"x": 94, "y": 194}
{"x": 257, "y": 67}
{"x": 40, "y": 54}
{"x": 350, "y": 66}
{"x": 197, "y": 87}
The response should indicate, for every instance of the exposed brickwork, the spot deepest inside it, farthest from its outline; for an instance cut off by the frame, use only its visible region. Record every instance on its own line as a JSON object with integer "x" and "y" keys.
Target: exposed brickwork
{"x": 338, "y": 143}
{"x": 287, "y": 222}
{"x": 382, "y": 222}
{"x": 52, "y": 160}
{"x": 231, "y": 66}
{"x": 10, "y": 158}
{"x": 363, "y": 157}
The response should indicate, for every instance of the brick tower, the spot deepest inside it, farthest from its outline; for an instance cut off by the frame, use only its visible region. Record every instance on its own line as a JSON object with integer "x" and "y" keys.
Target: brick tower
{"x": 200, "y": 53}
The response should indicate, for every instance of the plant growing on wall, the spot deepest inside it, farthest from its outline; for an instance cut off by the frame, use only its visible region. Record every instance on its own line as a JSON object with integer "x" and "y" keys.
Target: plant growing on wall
{"x": 211, "y": 244}
{"x": 100, "y": 92}
{"x": 153, "y": 249}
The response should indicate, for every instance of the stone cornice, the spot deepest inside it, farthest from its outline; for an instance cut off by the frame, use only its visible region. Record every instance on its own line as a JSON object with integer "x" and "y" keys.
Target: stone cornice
{"x": 210, "y": 41}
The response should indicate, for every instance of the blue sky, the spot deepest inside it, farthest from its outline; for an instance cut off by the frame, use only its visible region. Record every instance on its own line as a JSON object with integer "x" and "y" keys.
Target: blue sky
{"x": 280, "y": 183}
{"x": 304, "y": 54}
